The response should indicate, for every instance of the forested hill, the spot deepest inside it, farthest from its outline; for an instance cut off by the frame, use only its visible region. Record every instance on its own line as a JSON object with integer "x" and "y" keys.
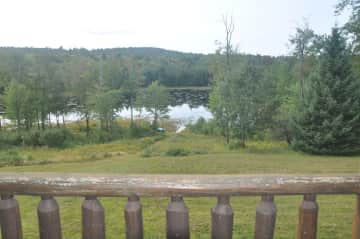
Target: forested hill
{"x": 170, "y": 68}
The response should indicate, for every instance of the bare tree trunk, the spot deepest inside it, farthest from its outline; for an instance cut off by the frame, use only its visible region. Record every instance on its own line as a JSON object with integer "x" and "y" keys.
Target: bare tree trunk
{"x": 49, "y": 119}
{"x": 131, "y": 115}
{"x": 57, "y": 120}
{"x": 38, "y": 120}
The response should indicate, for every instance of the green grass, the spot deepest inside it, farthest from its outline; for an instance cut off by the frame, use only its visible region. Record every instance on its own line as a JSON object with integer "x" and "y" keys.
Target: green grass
{"x": 208, "y": 155}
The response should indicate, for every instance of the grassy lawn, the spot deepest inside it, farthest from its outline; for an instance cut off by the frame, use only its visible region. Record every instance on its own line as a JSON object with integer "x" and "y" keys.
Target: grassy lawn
{"x": 201, "y": 155}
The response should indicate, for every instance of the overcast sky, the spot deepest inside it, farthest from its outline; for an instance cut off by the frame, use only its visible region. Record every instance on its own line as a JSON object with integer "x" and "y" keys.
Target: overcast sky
{"x": 262, "y": 26}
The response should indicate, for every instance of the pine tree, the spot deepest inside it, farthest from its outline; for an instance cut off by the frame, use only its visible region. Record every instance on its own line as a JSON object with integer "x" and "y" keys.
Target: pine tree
{"x": 329, "y": 122}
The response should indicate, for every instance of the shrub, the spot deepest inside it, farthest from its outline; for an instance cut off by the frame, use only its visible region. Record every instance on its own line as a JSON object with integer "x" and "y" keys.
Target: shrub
{"x": 107, "y": 155}
{"x": 236, "y": 144}
{"x": 100, "y": 136}
{"x": 55, "y": 137}
{"x": 10, "y": 138}
{"x": 148, "y": 152}
{"x": 200, "y": 151}
{"x": 175, "y": 152}
{"x": 138, "y": 131}
{"x": 11, "y": 158}
{"x": 31, "y": 138}
{"x": 201, "y": 126}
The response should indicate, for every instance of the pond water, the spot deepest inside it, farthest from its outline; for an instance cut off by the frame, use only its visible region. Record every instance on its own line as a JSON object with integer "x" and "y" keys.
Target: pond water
{"x": 182, "y": 114}
{"x": 186, "y": 106}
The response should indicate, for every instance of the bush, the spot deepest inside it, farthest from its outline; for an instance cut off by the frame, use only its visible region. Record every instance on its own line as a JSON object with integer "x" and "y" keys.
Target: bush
{"x": 148, "y": 152}
{"x": 11, "y": 158}
{"x": 236, "y": 144}
{"x": 175, "y": 152}
{"x": 139, "y": 131}
{"x": 31, "y": 138}
{"x": 200, "y": 151}
{"x": 55, "y": 137}
{"x": 201, "y": 126}
{"x": 10, "y": 138}
{"x": 100, "y": 136}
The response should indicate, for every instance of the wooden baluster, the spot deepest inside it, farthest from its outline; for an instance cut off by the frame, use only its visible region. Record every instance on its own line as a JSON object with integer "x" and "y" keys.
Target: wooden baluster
{"x": 308, "y": 214}
{"x": 93, "y": 219}
{"x": 265, "y": 218}
{"x": 222, "y": 217}
{"x": 49, "y": 218}
{"x": 177, "y": 219}
{"x": 10, "y": 218}
{"x": 356, "y": 222}
{"x": 133, "y": 218}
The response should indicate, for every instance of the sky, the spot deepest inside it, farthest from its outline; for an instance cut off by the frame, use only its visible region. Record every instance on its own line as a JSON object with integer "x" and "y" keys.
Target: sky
{"x": 261, "y": 26}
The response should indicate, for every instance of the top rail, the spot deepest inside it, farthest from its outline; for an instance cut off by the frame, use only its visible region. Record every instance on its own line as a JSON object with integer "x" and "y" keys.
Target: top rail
{"x": 61, "y": 184}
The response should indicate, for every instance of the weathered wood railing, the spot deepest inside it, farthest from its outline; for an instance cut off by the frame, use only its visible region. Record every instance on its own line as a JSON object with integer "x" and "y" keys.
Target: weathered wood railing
{"x": 175, "y": 186}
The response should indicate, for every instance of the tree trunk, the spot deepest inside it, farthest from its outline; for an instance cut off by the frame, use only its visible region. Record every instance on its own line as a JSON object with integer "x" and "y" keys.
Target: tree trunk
{"x": 63, "y": 120}
{"x": 87, "y": 124}
{"x": 49, "y": 119}
{"x": 302, "y": 80}
{"x": 131, "y": 114}
{"x": 38, "y": 122}
{"x": 155, "y": 122}
{"x": 57, "y": 120}
{"x": 227, "y": 133}
{"x": 243, "y": 137}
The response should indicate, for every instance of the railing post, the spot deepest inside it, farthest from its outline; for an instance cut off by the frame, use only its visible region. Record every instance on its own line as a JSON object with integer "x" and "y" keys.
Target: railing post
{"x": 356, "y": 222}
{"x": 308, "y": 214}
{"x": 265, "y": 218}
{"x": 177, "y": 219}
{"x": 133, "y": 218}
{"x": 222, "y": 217}
{"x": 93, "y": 219}
{"x": 10, "y": 218}
{"x": 49, "y": 218}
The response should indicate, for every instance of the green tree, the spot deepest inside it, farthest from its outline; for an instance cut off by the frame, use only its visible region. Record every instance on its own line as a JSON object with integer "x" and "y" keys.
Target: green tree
{"x": 130, "y": 86}
{"x": 104, "y": 105}
{"x": 329, "y": 122}
{"x": 220, "y": 98}
{"x": 221, "y": 106}
{"x": 155, "y": 99}
{"x": 303, "y": 43}
{"x": 82, "y": 78}
{"x": 352, "y": 27}
{"x": 15, "y": 102}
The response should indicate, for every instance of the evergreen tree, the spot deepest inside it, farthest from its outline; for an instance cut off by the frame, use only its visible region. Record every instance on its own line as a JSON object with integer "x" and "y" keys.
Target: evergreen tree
{"x": 329, "y": 122}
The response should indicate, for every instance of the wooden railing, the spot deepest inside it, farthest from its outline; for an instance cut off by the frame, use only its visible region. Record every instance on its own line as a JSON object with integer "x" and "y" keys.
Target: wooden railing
{"x": 175, "y": 186}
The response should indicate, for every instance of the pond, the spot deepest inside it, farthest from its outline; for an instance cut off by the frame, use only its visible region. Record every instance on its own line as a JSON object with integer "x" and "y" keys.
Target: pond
{"x": 185, "y": 106}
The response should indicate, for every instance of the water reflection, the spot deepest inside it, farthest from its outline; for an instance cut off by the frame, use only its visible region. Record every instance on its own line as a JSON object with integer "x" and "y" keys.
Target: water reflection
{"x": 183, "y": 114}
{"x": 193, "y": 97}
{"x": 185, "y": 106}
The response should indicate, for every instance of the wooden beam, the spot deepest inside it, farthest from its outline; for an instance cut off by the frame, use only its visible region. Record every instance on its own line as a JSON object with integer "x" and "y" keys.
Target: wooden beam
{"x": 60, "y": 184}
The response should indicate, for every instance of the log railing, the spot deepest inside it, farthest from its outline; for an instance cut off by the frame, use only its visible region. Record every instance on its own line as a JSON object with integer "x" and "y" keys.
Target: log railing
{"x": 175, "y": 186}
